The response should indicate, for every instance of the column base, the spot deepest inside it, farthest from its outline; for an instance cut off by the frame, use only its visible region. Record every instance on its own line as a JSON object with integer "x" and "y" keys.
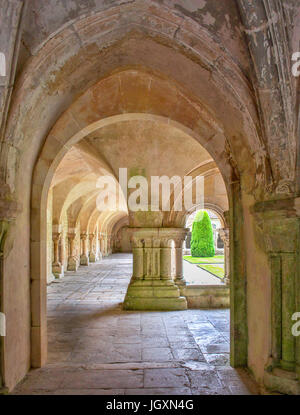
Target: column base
{"x": 50, "y": 279}
{"x": 227, "y": 281}
{"x": 72, "y": 264}
{"x": 58, "y": 271}
{"x": 84, "y": 260}
{"x": 283, "y": 381}
{"x": 154, "y": 295}
{"x": 92, "y": 257}
{"x": 181, "y": 284}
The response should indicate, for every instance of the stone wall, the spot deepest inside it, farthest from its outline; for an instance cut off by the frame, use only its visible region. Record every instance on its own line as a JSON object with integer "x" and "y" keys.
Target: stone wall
{"x": 50, "y": 276}
{"x": 199, "y": 296}
{"x": 239, "y": 101}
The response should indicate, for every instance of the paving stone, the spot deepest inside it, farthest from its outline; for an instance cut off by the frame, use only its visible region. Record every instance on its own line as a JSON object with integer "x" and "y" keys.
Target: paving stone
{"x": 204, "y": 379}
{"x": 215, "y": 348}
{"x": 184, "y": 344}
{"x": 187, "y": 354}
{"x": 97, "y": 348}
{"x": 154, "y": 342}
{"x": 221, "y": 359}
{"x": 103, "y": 379}
{"x": 157, "y": 354}
{"x": 159, "y": 391}
{"x": 173, "y": 378}
{"x": 90, "y": 392}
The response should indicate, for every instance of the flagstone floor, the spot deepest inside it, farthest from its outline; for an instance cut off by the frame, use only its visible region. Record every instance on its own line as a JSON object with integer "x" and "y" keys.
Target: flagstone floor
{"x": 97, "y": 348}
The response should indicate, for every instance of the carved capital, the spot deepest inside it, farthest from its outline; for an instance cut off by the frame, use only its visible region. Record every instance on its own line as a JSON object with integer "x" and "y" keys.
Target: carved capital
{"x": 136, "y": 242}
{"x": 83, "y": 236}
{"x": 71, "y": 236}
{"x": 4, "y": 225}
{"x": 166, "y": 242}
{"x": 56, "y": 236}
{"x": 277, "y": 224}
{"x": 224, "y": 235}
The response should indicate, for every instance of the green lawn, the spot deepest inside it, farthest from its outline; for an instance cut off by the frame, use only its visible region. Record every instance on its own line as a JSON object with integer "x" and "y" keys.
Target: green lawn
{"x": 217, "y": 259}
{"x": 213, "y": 269}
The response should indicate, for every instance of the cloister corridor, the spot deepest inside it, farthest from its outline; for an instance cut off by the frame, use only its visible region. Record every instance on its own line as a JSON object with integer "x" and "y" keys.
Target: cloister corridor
{"x": 95, "y": 347}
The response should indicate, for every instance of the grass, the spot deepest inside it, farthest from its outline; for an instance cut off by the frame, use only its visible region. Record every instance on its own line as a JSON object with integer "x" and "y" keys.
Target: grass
{"x": 217, "y": 259}
{"x": 213, "y": 269}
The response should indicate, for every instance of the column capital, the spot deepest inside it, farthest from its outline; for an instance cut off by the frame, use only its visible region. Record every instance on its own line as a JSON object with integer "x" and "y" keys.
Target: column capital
{"x": 56, "y": 236}
{"x": 179, "y": 242}
{"x": 4, "y": 226}
{"x": 136, "y": 242}
{"x": 166, "y": 242}
{"x": 224, "y": 235}
{"x": 56, "y": 228}
{"x": 71, "y": 235}
{"x": 83, "y": 236}
{"x": 277, "y": 224}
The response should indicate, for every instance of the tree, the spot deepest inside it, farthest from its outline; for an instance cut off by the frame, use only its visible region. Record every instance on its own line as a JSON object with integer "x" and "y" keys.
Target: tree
{"x": 202, "y": 243}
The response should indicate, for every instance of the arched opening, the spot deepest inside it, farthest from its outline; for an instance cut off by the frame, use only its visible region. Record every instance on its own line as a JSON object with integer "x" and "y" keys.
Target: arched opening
{"x": 82, "y": 234}
{"x": 213, "y": 270}
{"x": 102, "y": 145}
{"x": 95, "y": 67}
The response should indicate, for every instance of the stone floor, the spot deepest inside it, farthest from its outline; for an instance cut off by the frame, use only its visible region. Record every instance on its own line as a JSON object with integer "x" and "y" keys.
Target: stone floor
{"x": 97, "y": 348}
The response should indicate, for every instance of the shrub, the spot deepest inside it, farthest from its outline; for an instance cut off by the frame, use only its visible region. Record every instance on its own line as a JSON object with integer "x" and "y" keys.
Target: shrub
{"x": 202, "y": 242}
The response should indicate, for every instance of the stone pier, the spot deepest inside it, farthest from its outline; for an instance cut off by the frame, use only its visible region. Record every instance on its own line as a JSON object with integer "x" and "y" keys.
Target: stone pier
{"x": 152, "y": 286}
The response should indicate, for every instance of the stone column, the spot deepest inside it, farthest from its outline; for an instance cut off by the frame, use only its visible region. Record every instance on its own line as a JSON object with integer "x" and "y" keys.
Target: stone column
{"x": 72, "y": 259}
{"x": 102, "y": 245}
{"x": 107, "y": 245}
{"x": 109, "y": 240}
{"x": 92, "y": 254}
{"x": 113, "y": 244}
{"x": 57, "y": 266}
{"x": 278, "y": 228}
{"x": 152, "y": 286}
{"x": 166, "y": 259}
{"x": 84, "y": 258}
{"x": 118, "y": 244}
{"x": 224, "y": 235}
{"x": 138, "y": 265}
{"x": 99, "y": 253}
{"x": 62, "y": 251}
{"x": 179, "y": 243}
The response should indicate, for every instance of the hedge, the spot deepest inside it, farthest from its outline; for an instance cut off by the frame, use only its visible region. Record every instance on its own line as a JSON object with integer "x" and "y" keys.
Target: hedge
{"x": 202, "y": 242}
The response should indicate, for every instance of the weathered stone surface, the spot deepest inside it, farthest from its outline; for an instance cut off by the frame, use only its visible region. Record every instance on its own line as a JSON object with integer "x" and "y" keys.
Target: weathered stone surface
{"x": 102, "y": 357}
{"x": 160, "y": 87}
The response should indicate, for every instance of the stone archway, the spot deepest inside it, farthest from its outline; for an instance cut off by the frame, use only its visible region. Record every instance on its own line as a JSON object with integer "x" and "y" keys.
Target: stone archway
{"x": 224, "y": 233}
{"x": 66, "y": 133}
{"x": 231, "y": 95}
{"x": 198, "y": 111}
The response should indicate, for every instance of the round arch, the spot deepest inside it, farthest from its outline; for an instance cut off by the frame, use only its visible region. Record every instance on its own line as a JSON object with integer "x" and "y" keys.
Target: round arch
{"x": 67, "y": 133}
{"x": 212, "y": 207}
